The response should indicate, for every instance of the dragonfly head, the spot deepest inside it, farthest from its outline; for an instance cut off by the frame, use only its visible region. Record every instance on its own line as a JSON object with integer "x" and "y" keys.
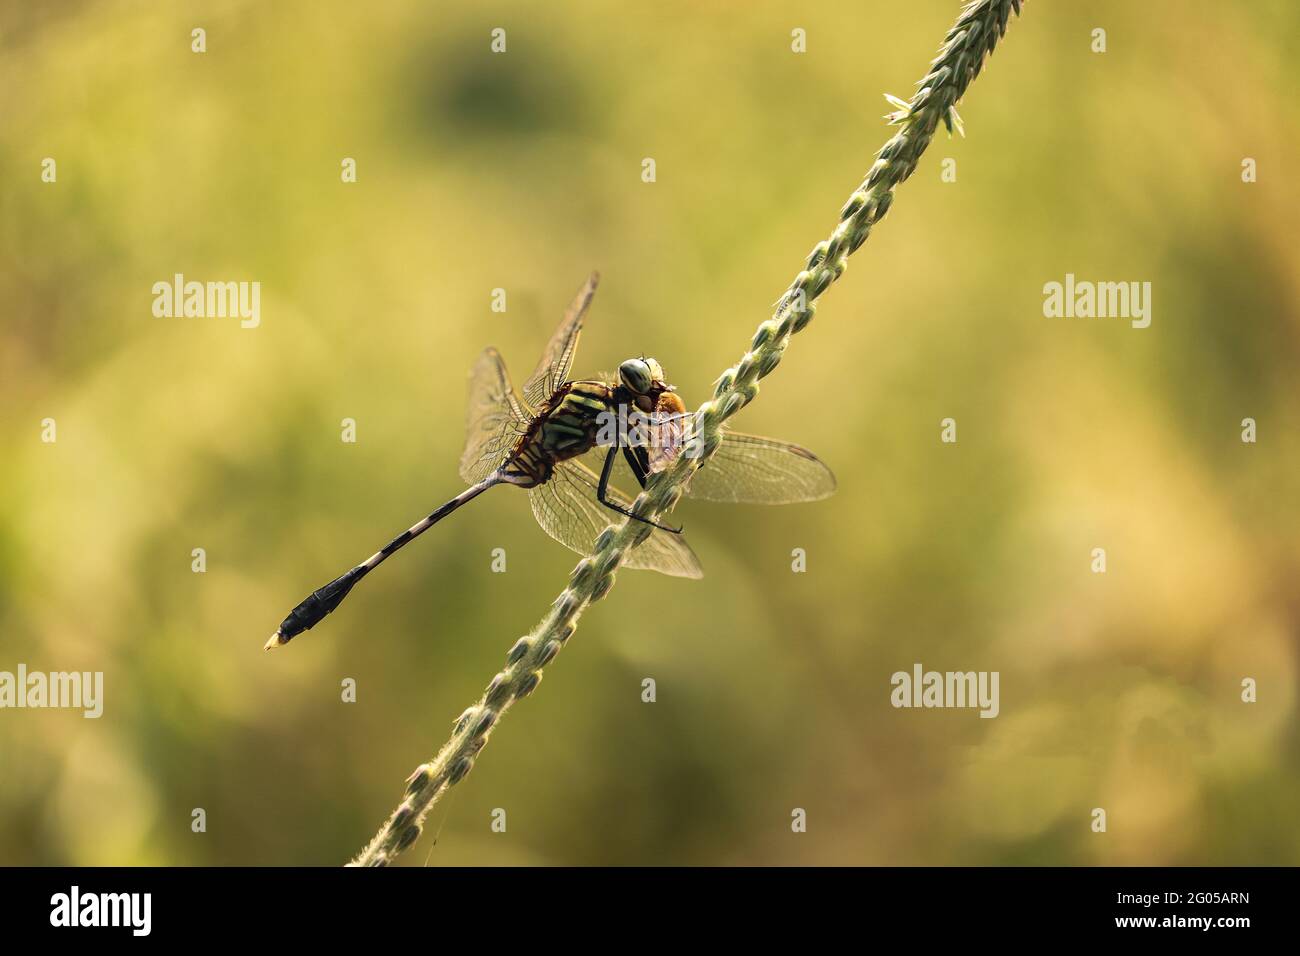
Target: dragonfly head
{"x": 644, "y": 378}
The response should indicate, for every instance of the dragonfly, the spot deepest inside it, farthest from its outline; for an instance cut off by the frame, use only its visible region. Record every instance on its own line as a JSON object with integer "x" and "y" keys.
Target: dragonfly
{"x": 537, "y": 439}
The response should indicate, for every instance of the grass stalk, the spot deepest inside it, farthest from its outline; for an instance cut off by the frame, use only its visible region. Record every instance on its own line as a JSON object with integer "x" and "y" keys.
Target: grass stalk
{"x": 961, "y": 56}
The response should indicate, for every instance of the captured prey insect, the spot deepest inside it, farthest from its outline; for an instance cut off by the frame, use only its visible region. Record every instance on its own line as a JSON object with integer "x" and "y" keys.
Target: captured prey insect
{"x": 535, "y": 440}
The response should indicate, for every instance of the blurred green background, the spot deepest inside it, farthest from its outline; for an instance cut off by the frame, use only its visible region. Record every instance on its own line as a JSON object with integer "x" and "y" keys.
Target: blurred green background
{"x": 522, "y": 171}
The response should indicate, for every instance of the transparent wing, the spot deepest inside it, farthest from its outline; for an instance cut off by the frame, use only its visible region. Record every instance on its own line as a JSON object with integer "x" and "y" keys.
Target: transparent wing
{"x": 567, "y": 509}
{"x": 553, "y": 367}
{"x": 495, "y": 419}
{"x": 747, "y": 469}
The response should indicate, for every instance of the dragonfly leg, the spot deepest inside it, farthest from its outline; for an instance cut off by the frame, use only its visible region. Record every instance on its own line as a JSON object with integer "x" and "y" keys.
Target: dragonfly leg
{"x": 637, "y": 460}
{"x": 603, "y": 488}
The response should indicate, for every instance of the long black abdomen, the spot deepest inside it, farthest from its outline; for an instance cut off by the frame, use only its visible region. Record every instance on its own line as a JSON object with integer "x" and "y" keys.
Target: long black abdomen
{"x": 312, "y": 609}
{"x": 318, "y": 604}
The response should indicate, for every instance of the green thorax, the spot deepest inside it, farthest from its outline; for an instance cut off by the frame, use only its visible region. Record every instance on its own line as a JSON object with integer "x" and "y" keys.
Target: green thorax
{"x": 565, "y": 428}
{"x": 568, "y": 427}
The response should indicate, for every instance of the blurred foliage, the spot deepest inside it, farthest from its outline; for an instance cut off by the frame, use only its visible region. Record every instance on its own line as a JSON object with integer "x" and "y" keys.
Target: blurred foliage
{"x": 522, "y": 171}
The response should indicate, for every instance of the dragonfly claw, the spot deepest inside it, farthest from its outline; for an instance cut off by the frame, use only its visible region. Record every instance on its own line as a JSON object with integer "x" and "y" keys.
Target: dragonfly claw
{"x": 655, "y": 524}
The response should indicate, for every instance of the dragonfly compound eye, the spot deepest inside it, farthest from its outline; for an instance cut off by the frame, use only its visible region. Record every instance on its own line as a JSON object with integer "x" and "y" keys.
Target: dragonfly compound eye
{"x": 638, "y": 375}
